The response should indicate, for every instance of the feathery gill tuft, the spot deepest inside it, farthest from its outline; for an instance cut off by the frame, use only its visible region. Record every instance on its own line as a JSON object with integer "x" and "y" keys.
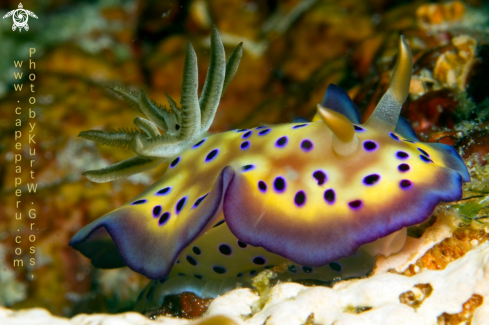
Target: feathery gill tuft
{"x": 181, "y": 126}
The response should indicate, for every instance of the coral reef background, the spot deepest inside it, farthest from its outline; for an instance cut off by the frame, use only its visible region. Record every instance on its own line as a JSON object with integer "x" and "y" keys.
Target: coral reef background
{"x": 293, "y": 50}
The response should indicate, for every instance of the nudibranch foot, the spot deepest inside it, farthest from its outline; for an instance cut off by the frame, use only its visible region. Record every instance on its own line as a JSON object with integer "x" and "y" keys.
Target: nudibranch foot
{"x": 182, "y": 279}
{"x": 154, "y": 293}
{"x": 387, "y": 245}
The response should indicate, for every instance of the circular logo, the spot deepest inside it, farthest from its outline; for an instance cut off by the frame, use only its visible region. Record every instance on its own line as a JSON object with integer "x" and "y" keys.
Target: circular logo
{"x": 20, "y": 18}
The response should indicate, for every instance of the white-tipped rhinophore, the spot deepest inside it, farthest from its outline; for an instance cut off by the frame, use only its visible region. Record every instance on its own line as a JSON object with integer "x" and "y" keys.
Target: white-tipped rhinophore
{"x": 389, "y": 107}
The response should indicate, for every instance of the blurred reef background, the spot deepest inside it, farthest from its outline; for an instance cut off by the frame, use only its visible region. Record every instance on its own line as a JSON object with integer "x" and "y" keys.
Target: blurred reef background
{"x": 292, "y": 50}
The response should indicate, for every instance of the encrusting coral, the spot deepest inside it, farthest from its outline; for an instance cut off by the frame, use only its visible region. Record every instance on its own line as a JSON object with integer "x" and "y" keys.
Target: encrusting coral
{"x": 457, "y": 293}
{"x": 452, "y": 67}
{"x": 440, "y": 16}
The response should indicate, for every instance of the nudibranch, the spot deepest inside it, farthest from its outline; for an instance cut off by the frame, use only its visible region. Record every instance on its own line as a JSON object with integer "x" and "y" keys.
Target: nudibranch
{"x": 325, "y": 196}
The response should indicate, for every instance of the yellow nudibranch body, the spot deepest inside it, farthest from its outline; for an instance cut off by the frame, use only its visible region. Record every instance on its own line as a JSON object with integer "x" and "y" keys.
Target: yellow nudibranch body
{"x": 324, "y": 196}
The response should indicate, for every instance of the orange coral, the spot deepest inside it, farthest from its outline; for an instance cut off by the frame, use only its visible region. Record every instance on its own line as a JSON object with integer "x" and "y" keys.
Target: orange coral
{"x": 414, "y": 300}
{"x": 450, "y": 249}
{"x": 452, "y": 67}
{"x": 429, "y": 15}
{"x": 465, "y": 316}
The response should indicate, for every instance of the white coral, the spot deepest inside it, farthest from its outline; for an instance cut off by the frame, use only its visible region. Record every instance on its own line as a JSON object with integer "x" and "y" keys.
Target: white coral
{"x": 292, "y": 303}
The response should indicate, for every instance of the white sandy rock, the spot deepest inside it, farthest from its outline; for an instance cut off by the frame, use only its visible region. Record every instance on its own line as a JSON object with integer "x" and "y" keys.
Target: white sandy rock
{"x": 39, "y": 316}
{"x": 481, "y": 315}
{"x": 291, "y": 303}
{"x": 236, "y": 304}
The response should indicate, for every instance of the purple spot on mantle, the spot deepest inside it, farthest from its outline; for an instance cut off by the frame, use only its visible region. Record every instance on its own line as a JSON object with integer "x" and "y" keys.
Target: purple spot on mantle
{"x": 307, "y": 269}
{"x": 219, "y": 223}
{"x": 406, "y": 184}
{"x": 320, "y": 177}
{"x": 281, "y": 142}
{"x": 300, "y": 198}
{"x": 262, "y": 186}
{"x": 279, "y": 184}
{"x": 259, "y": 260}
{"x": 335, "y": 266}
{"x": 307, "y": 145}
{"x": 164, "y": 218}
{"x": 371, "y": 179}
{"x": 174, "y": 162}
{"x": 245, "y": 145}
{"x": 211, "y": 155}
{"x": 198, "y": 144}
{"x": 300, "y": 126}
{"x": 138, "y": 202}
{"x": 394, "y": 136}
{"x": 355, "y": 205}
{"x": 199, "y": 200}
{"x": 191, "y": 260}
{"x": 225, "y": 249}
{"x": 402, "y": 155}
{"x": 330, "y": 196}
{"x": 403, "y": 168}
{"x": 180, "y": 204}
{"x": 263, "y": 132}
{"x": 219, "y": 270}
{"x": 425, "y": 159}
{"x": 247, "y": 135}
{"x": 370, "y": 145}
{"x": 245, "y": 168}
{"x": 241, "y": 244}
{"x": 424, "y": 152}
{"x": 164, "y": 191}
{"x": 358, "y": 128}
{"x": 156, "y": 211}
